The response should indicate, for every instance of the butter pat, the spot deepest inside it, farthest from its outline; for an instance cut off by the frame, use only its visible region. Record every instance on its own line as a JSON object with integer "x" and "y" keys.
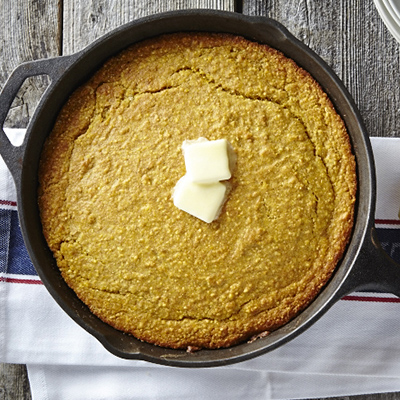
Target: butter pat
{"x": 203, "y": 201}
{"x": 200, "y": 192}
{"x": 206, "y": 161}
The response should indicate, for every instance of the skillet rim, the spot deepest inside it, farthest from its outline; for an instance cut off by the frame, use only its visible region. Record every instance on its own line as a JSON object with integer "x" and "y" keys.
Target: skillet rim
{"x": 121, "y": 344}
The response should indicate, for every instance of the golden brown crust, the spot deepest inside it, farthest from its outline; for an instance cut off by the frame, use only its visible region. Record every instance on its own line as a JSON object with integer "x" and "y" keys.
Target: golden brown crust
{"x": 109, "y": 167}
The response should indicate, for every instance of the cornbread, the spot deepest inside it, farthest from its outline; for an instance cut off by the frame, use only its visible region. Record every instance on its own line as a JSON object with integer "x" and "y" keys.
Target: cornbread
{"x": 109, "y": 167}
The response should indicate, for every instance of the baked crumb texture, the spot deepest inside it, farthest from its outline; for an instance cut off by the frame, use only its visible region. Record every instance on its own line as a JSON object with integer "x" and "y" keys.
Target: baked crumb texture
{"x": 109, "y": 167}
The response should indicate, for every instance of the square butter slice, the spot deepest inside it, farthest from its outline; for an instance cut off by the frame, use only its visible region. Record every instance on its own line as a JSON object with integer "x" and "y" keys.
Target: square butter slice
{"x": 203, "y": 201}
{"x": 207, "y": 161}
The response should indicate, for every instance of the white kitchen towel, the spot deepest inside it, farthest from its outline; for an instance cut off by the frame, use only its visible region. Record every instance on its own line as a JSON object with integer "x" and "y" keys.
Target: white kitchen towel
{"x": 353, "y": 349}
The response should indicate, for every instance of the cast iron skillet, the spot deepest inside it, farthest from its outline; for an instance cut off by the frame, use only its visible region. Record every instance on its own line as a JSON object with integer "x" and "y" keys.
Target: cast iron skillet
{"x": 365, "y": 265}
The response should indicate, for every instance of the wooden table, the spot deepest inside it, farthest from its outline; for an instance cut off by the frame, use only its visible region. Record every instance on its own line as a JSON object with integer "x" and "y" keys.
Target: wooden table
{"x": 347, "y": 34}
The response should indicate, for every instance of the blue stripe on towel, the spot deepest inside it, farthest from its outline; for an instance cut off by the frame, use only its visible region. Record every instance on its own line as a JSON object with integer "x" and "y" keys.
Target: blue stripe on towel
{"x": 390, "y": 241}
{"x": 18, "y": 258}
{"x": 5, "y": 222}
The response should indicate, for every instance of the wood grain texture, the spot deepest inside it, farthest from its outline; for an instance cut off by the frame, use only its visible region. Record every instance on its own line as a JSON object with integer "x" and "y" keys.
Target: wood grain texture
{"x": 347, "y": 34}
{"x": 85, "y": 21}
{"x": 14, "y": 384}
{"x": 35, "y": 33}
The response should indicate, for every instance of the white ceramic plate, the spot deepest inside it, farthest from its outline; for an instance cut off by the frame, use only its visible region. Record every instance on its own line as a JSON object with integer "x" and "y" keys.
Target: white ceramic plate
{"x": 389, "y": 10}
{"x": 396, "y": 6}
{"x": 393, "y": 7}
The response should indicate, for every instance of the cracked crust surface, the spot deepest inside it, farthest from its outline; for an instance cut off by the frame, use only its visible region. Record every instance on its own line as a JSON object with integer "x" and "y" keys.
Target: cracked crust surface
{"x": 109, "y": 167}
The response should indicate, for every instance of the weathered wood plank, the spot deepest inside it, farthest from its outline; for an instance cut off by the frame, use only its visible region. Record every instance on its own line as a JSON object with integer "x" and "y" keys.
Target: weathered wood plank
{"x": 28, "y": 31}
{"x": 14, "y": 384}
{"x": 352, "y": 39}
{"x": 85, "y": 21}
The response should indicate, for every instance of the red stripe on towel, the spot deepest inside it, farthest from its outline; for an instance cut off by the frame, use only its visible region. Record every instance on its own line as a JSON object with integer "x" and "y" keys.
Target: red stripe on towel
{"x": 388, "y": 221}
{"x": 8, "y": 203}
{"x": 374, "y": 299}
{"x": 18, "y": 280}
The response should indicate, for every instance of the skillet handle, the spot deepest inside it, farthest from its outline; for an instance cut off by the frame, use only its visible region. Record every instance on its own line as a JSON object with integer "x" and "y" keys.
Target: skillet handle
{"x": 374, "y": 269}
{"x": 54, "y": 68}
